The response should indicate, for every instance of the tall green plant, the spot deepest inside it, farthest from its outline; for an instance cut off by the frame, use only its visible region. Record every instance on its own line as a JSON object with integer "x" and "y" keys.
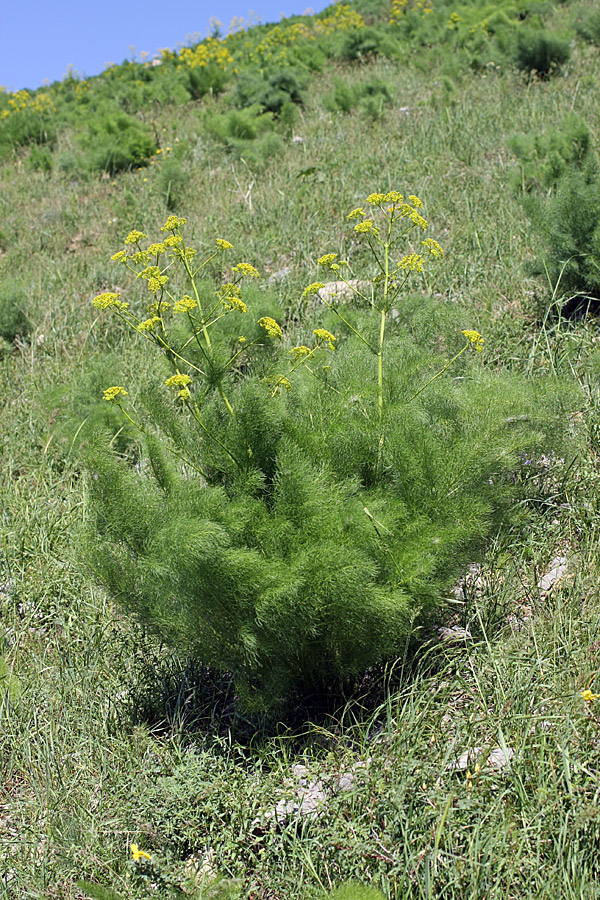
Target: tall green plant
{"x": 298, "y": 512}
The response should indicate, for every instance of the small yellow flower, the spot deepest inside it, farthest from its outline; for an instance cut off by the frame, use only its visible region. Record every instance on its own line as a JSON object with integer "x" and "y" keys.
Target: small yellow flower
{"x": 120, "y": 256}
{"x": 589, "y": 697}
{"x": 134, "y": 237}
{"x": 323, "y": 335}
{"x": 148, "y": 324}
{"x": 394, "y": 197}
{"x": 365, "y": 227}
{"x": 432, "y": 247}
{"x": 327, "y": 259}
{"x": 357, "y": 213}
{"x": 138, "y": 854}
{"x": 173, "y": 240}
{"x": 375, "y": 198}
{"x": 178, "y": 380}
{"x": 106, "y": 301}
{"x": 184, "y": 394}
{"x": 418, "y": 204}
{"x": 112, "y": 393}
{"x": 233, "y": 302}
{"x": 411, "y": 263}
{"x": 172, "y": 223}
{"x": 313, "y": 288}
{"x": 300, "y": 352}
{"x": 475, "y": 338}
{"x": 184, "y": 305}
{"x": 246, "y": 269}
{"x": 156, "y": 249}
{"x": 242, "y": 339}
{"x": 279, "y": 381}
{"x": 270, "y": 326}
{"x": 224, "y": 245}
{"x": 157, "y": 282}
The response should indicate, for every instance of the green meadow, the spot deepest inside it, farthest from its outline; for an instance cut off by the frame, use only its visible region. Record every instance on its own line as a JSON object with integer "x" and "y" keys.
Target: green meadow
{"x": 300, "y": 531}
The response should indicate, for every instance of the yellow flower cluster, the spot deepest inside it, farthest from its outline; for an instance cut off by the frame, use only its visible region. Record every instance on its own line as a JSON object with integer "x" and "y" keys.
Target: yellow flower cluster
{"x": 588, "y": 696}
{"x": 324, "y": 336}
{"x": 327, "y": 259}
{"x": 210, "y": 51}
{"x": 300, "y": 352}
{"x": 224, "y": 245}
{"x": 109, "y": 300}
{"x": 246, "y": 269}
{"x": 401, "y": 7}
{"x": 23, "y": 101}
{"x": 134, "y": 237}
{"x": 313, "y": 288}
{"x": 270, "y": 326}
{"x": 236, "y": 303}
{"x": 432, "y": 247}
{"x": 173, "y": 223}
{"x": 474, "y": 338}
{"x": 112, "y": 393}
{"x": 184, "y": 305}
{"x": 412, "y": 262}
{"x": 178, "y": 380}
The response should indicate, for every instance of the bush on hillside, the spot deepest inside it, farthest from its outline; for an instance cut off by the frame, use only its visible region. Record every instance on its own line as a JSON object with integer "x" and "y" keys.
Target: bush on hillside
{"x": 369, "y": 96}
{"x": 271, "y": 90}
{"x": 114, "y": 142}
{"x": 588, "y": 26}
{"x": 541, "y": 52}
{"x": 299, "y": 514}
{"x": 13, "y": 316}
{"x": 247, "y": 134}
{"x": 560, "y": 181}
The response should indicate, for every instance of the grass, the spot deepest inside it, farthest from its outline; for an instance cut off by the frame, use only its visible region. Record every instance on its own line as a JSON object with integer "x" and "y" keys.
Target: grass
{"x": 107, "y": 738}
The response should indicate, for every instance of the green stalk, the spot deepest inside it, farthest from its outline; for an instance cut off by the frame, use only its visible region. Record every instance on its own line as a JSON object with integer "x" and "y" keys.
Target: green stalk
{"x": 386, "y": 248}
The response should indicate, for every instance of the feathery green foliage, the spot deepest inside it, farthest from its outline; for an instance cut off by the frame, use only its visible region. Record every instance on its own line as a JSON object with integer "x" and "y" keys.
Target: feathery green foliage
{"x": 299, "y": 521}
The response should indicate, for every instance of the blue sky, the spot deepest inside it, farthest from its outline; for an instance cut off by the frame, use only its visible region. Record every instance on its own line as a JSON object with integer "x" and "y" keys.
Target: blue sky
{"x": 40, "y": 38}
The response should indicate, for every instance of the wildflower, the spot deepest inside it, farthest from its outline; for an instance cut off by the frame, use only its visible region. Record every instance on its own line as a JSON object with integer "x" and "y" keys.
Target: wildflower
{"x": 120, "y": 256}
{"x": 112, "y": 393}
{"x": 234, "y": 303}
{"x": 134, "y": 237}
{"x": 246, "y": 269}
{"x": 376, "y": 198}
{"x": 106, "y": 301}
{"x": 138, "y": 854}
{"x": 588, "y": 696}
{"x": 432, "y": 247}
{"x": 323, "y": 335}
{"x": 356, "y": 213}
{"x": 313, "y": 288}
{"x": 156, "y": 249}
{"x": 411, "y": 263}
{"x": 366, "y": 226}
{"x": 184, "y": 305}
{"x": 270, "y": 326}
{"x": 140, "y": 257}
{"x": 327, "y": 259}
{"x": 393, "y": 197}
{"x": 172, "y": 223}
{"x": 418, "y": 204}
{"x": 172, "y": 241}
{"x": 242, "y": 339}
{"x": 224, "y": 245}
{"x": 158, "y": 306}
{"x": 148, "y": 324}
{"x": 178, "y": 380}
{"x": 184, "y": 394}
{"x": 157, "y": 282}
{"x": 279, "y": 381}
{"x": 300, "y": 352}
{"x": 475, "y": 338}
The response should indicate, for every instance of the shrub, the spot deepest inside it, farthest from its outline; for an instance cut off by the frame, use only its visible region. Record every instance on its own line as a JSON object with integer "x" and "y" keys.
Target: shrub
{"x": 560, "y": 176}
{"x": 115, "y": 141}
{"x": 13, "y": 317}
{"x": 172, "y": 181}
{"x": 540, "y": 52}
{"x": 247, "y": 133}
{"x": 371, "y": 96}
{"x": 271, "y": 90}
{"x": 300, "y": 513}
{"x": 588, "y": 26}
